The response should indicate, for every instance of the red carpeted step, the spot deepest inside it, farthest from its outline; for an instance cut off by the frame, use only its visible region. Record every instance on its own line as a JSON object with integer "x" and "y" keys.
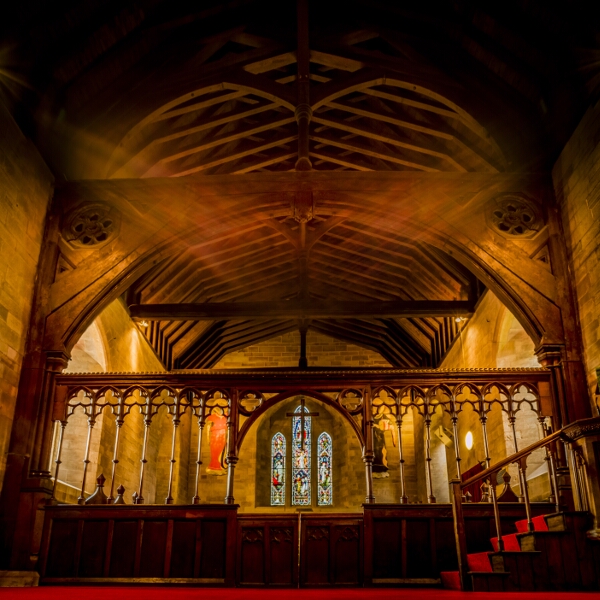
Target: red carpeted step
{"x": 511, "y": 543}
{"x": 539, "y": 524}
{"x": 479, "y": 562}
{"x": 450, "y": 580}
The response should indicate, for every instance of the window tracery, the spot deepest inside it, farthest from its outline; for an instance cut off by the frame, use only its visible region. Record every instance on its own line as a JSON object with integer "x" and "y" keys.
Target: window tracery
{"x": 325, "y": 455}
{"x": 301, "y": 475}
{"x": 278, "y": 470}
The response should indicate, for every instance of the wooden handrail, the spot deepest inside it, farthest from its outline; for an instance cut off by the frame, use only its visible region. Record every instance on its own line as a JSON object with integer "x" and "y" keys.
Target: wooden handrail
{"x": 518, "y": 457}
{"x": 513, "y": 458}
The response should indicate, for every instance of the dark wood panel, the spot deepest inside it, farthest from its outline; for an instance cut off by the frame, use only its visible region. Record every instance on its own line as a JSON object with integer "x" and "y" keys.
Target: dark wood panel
{"x": 418, "y": 549}
{"x": 154, "y": 541}
{"x": 107, "y": 541}
{"x": 212, "y": 560}
{"x": 283, "y": 555}
{"x": 387, "y": 549}
{"x": 447, "y": 559}
{"x": 316, "y": 555}
{"x": 61, "y": 553}
{"x": 183, "y": 549}
{"x": 93, "y": 549}
{"x": 253, "y": 556}
{"x": 122, "y": 555}
{"x": 347, "y": 554}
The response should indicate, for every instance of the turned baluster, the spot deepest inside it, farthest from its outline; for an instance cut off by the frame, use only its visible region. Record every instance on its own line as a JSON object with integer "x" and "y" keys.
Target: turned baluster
{"x": 522, "y": 464}
{"x": 512, "y": 419}
{"x": 86, "y": 460}
{"x": 456, "y": 444}
{"x": 115, "y": 461}
{"x": 428, "y": 476}
{"x": 176, "y": 421}
{"x": 201, "y": 421}
{"x": 58, "y": 461}
{"x": 403, "y": 496}
{"x": 139, "y": 499}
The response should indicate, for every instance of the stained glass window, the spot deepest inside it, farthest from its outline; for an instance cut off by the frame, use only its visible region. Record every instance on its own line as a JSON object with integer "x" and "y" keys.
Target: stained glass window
{"x": 325, "y": 491}
{"x": 278, "y": 470}
{"x": 301, "y": 460}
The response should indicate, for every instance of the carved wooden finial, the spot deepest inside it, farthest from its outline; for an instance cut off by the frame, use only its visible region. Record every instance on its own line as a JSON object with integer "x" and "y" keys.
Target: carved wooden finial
{"x": 120, "y": 492}
{"x": 98, "y": 497}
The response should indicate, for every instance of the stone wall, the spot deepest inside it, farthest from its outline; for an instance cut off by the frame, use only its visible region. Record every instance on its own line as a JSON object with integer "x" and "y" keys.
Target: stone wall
{"x": 493, "y": 338}
{"x": 284, "y": 351}
{"x": 114, "y": 343}
{"x": 26, "y": 187}
{"x": 576, "y": 177}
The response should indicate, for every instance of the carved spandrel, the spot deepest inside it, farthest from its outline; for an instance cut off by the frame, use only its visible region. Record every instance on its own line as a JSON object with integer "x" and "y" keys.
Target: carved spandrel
{"x": 349, "y": 534}
{"x": 252, "y": 535}
{"x": 316, "y": 534}
{"x": 280, "y": 535}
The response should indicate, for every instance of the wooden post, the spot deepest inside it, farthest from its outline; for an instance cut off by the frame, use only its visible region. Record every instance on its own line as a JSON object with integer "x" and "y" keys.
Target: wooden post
{"x": 428, "y": 478}
{"x": 115, "y": 461}
{"x": 176, "y": 421}
{"x": 368, "y": 454}
{"x": 140, "y": 496}
{"x": 403, "y": 496}
{"x": 232, "y": 457}
{"x": 303, "y": 111}
{"x": 456, "y": 444}
{"x": 57, "y": 461}
{"x": 86, "y": 459}
{"x": 522, "y": 464}
{"x": 196, "y": 498}
{"x": 459, "y": 533}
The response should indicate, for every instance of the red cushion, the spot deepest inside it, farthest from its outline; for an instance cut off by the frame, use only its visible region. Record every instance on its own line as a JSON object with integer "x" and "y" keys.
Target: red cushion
{"x": 539, "y": 524}
{"x": 511, "y": 543}
{"x": 479, "y": 562}
{"x": 450, "y": 580}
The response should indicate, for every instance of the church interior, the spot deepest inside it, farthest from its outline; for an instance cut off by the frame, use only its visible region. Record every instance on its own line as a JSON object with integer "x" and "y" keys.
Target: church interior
{"x": 300, "y": 295}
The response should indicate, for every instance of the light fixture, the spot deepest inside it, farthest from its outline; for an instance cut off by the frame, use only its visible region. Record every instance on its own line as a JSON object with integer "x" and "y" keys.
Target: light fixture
{"x": 460, "y": 319}
{"x": 143, "y": 323}
{"x": 469, "y": 440}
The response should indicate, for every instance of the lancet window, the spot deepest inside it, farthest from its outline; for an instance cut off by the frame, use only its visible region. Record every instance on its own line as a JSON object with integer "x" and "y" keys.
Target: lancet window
{"x": 301, "y": 442}
{"x": 278, "y": 470}
{"x": 325, "y": 454}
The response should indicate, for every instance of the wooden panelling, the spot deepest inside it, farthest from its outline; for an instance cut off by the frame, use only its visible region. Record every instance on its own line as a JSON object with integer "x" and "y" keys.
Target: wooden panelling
{"x": 267, "y": 552}
{"x": 183, "y": 549}
{"x": 139, "y": 543}
{"x": 331, "y": 550}
{"x": 413, "y": 542}
{"x": 61, "y": 552}
{"x": 122, "y": 556}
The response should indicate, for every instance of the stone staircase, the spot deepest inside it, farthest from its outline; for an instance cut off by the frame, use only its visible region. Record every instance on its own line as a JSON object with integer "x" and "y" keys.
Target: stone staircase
{"x": 557, "y": 555}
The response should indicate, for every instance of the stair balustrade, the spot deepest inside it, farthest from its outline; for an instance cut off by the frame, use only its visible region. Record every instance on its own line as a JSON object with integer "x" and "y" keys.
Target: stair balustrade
{"x": 489, "y": 475}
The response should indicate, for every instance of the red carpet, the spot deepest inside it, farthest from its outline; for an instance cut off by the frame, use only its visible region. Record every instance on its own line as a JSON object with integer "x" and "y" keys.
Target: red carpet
{"x": 164, "y": 593}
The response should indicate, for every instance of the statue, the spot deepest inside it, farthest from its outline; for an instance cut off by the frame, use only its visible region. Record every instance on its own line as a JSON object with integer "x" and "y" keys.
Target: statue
{"x": 216, "y": 424}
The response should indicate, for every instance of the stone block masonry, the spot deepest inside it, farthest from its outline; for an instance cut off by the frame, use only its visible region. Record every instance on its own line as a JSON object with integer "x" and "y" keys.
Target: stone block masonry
{"x": 284, "y": 351}
{"x": 576, "y": 177}
{"x": 26, "y": 187}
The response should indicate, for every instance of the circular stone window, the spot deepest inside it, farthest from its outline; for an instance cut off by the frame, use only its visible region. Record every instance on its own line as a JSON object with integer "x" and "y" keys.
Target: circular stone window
{"x": 90, "y": 225}
{"x": 515, "y": 216}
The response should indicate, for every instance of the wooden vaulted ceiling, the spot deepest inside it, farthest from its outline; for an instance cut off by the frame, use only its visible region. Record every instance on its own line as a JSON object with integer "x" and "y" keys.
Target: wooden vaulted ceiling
{"x": 151, "y": 88}
{"x": 348, "y": 261}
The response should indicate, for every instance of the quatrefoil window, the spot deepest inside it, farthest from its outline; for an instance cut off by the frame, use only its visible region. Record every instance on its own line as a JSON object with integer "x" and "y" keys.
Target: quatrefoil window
{"x": 91, "y": 225}
{"x": 515, "y": 216}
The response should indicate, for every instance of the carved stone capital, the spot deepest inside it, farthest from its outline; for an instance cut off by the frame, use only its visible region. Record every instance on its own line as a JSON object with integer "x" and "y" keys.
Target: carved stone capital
{"x": 550, "y": 355}
{"x": 57, "y": 360}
